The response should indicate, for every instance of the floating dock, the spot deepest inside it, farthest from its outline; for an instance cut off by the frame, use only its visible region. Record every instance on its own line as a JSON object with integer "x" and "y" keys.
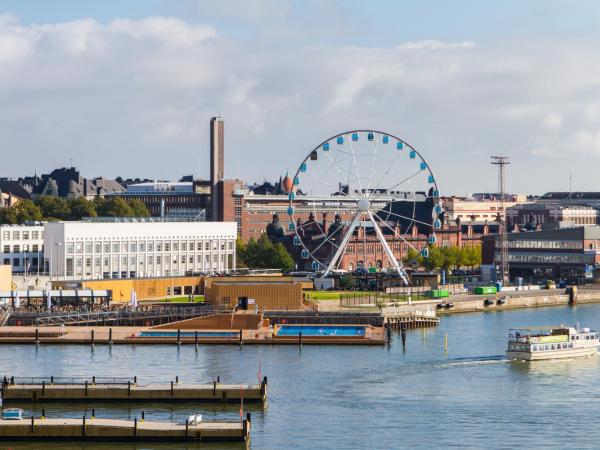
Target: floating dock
{"x": 57, "y": 390}
{"x": 114, "y": 430}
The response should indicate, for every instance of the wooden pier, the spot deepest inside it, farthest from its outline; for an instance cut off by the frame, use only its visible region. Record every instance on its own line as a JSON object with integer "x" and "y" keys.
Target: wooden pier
{"x": 114, "y": 430}
{"x": 99, "y": 390}
{"x": 407, "y": 321}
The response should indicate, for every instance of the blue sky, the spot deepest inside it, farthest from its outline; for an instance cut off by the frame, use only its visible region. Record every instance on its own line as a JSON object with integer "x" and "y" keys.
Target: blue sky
{"x": 127, "y": 87}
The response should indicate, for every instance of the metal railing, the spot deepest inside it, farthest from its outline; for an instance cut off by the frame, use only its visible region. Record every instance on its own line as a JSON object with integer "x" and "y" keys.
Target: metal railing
{"x": 51, "y": 380}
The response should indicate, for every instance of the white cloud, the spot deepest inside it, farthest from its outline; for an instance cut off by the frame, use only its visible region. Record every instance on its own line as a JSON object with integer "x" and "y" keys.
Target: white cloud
{"x": 133, "y": 97}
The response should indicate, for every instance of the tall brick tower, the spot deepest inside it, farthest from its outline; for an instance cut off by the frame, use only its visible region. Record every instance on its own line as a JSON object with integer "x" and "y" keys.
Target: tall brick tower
{"x": 217, "y": 151}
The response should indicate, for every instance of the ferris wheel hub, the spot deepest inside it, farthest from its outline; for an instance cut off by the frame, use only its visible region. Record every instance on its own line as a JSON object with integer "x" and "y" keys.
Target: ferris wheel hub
{"x": 363, "y": 204}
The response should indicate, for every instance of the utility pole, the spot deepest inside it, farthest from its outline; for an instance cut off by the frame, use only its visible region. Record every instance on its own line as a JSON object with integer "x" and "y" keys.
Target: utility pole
{"x": 501, "y": 162}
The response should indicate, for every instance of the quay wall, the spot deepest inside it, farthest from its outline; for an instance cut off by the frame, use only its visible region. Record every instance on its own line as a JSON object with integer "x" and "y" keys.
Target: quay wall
{"x": 477, "y": 304}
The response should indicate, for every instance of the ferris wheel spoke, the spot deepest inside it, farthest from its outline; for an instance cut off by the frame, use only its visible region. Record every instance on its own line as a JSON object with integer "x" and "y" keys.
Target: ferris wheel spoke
{"x": 340, "y": 169}
{"x": 412, "y": 219}
{"x": 387, "y": 171}
{"x": 324, "y": 242}
{"x": 401, "y": 237}
{"x": 321, "y": 180}
{"x": 408, "y": 178}
{"x": 371, "y": 168}
{"x": 356, "y": 166}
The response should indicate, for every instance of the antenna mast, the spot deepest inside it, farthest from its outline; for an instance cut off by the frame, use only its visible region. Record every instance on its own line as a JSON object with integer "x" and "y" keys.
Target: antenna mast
{"x": 501, "y": 162}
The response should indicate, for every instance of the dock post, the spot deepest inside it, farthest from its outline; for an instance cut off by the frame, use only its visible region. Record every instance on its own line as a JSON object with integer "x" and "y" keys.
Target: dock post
{"x": 43, "y": 387}
{"x": 196, "y": 340}
{"x": 43, "y": 413}
{"x": 403, "y": 331}
{"x": 93, "y": 413}
{"x": 143, "y": 416}
{"x": 446, "y": 342}
{"x": 110, "y": 336}
{"x": 171, "y": 388}
{"x": 12, "y": 380}
{"x": 135, "y": 428}
{"x": 86, "y": 387}
{"x": 176, "y": 379}
{"x": 135, "y": 379}
{"x": 178, "y": 337}
{"x": 300, "y": 339}
{"x": 94, "y": 380}
{"x": 52, "y": 380}
{"x": 83, "y": 427}
{"x": 37, "y": 336}
{"x": 93, "y": 338}
{"x": 187, "y": 427}
{"x": 128, "y": 387}
{"x": 32, "y": 424}
{"x": 263, "y": 387}
{"x": 218, "y": 379}
{"x": 241, "y": 339}
{"x": 214, "y": 388}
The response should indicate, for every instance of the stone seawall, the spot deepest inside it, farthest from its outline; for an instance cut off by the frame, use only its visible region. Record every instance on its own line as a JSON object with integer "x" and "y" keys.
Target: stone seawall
{"x": 477, "y": 304}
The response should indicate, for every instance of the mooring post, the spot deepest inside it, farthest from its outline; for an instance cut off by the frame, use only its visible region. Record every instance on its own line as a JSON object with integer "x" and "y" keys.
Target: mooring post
{"x": 187, "y": 426}
{"x": 300, "y": 339}
{"x": 43, "y": 387}
{"x": 446, "y": 342}
{"x": 43, "y": 413}
{"x": 110, "y": 336}
{"x": 135, "y": 427}
{"x": 83, "y": 427}
{"x": 241, "y": 339}
{"x": 135, "y": 379}
{"x": 128, "y": 387}
{"x": 178, "y": 337}
{"x": 94, "y": 380}
{"x": 171, "y": 388}
{"x": 32, "y": 424}
{"x": 86, "y": 387}
{"x": 93, "y": 413}
{"x": 143, "y": 416}
{"x": 37, "y": 336}
{"x": 403, "y": 330}
{"x": 214, "y": 388}
{"x": 51, "y": 380}
{"x": 263, "y": 386}
{"x": 176, "y": 379}
{"x": 93, "y": 338}
{"x": 12, "y": 380}
{"x": 218, "y": 379}
{"x": 196, "y": 340}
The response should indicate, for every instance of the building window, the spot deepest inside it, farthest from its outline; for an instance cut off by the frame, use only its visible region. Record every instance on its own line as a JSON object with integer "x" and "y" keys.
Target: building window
{"x": 35, "y": 235}
{"x": 16, "y": 248}
{"x": 7, "y": 249}
{"x": 16, "y": 235}
{"x": 6, "y": 261}
{"x": 6, "y": 235}
{"x": 25, "y": 235}
{"x": 97, "y": 247}
{"x": 88, "y": 247}
{"x": 16, "y": 262}
{"x": 106, "y": 247}
{"x": 69, "y": 247}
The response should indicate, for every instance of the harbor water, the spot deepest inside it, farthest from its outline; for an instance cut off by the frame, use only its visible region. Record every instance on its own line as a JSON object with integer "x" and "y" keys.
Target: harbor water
{"x": 356, "y": 397}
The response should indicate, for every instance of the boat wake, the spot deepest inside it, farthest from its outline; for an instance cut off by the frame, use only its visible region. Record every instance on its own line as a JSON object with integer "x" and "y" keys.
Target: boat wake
{"x": 474, "y": 361}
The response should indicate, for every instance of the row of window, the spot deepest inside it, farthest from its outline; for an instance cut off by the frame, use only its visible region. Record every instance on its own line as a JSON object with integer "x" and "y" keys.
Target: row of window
{"x": 24, "y": 235}
{"x": 25, "y": 248}
{"x": 17, "y": 262}
{"x": 550, "y": 259}
{"x": 542, "y": 244}
{"x": 147, "y": 246}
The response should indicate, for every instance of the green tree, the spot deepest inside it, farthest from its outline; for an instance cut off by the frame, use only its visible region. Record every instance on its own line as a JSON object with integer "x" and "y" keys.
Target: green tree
{"x": 8, "y": 216}
{"x": 283, "y": 260}
{"x": 240, "y": 251}
{"x": 347, "y": 282}
{"x": 138, "y": 208}
{"x": 413, "y": 258}
{"x": 435, "y": 260}
{"x": 114, "y": 207}
{"x": 53, "y": 207}
{"x": 26, "y": 210}
{"x": 263, "y": 254}
{"x": 81, "y": 207}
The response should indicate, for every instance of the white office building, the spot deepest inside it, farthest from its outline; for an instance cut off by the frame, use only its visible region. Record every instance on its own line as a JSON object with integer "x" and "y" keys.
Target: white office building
{"x": 92, "y": 250}
{"x": 22, "y": 247}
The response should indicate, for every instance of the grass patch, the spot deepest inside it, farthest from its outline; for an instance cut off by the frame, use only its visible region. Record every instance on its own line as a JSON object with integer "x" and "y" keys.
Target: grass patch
{"x": 185, "y": 299}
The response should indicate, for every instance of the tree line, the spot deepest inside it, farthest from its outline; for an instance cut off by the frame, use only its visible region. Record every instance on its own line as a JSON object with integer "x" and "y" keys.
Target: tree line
{"x": 263, "y": 254}
{"x": 50, "y": 208}
{"x": 452, "y": 257}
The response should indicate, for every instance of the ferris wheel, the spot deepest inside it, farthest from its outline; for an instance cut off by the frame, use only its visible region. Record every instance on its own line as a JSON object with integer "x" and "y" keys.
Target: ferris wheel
{"x": 372, "y": 184}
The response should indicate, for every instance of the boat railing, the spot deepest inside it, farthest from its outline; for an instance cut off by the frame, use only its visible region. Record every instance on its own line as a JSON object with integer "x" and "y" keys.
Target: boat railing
{"x": 68, "y": 380}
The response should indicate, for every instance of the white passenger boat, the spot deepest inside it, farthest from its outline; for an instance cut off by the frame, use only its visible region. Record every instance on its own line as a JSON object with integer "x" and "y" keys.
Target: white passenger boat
{"x": 12, "y": 414}
{"x": 554, "y": 342}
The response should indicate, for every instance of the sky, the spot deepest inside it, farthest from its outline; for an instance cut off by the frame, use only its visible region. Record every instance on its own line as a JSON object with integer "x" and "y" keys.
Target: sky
{"x": 127, "y": 87}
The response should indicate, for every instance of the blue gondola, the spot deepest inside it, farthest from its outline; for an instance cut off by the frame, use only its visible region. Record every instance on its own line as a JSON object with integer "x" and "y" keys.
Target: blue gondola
{"x": 432, "y": 239}
{"x": 291, "y": 226}
{"x": 303, "y": 167}
{"x": 437, "y": 223}
{"x": 340, "y": 140}
{"x": 304, "y": 254}
{"x": 413, "y": 154}
{"x": 326, "y": 147}
{"x": 315, "y": 265}
{"x": 355, "y": 137}
{"x": 296, "y": 240}
{"x": 370, "y": 136}
{"x": 296, "y": 181}
{"x": 431, "y": 179}
{"x": 438, "y": 209}
{"x": 400, "y": 146}
{"x": 291, "y": 195}
{"x": 386, "y": 139}
{"x": 435, "y": 193}
{"x": 290, "y": 210}
{"x": 423, "y": 165}
{"x": 425, "y": 253}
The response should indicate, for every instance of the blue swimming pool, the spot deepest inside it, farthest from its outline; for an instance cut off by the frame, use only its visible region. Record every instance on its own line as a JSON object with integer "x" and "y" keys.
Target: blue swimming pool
{"x": 320, "y": 330}
{"x": 187, "y": 334}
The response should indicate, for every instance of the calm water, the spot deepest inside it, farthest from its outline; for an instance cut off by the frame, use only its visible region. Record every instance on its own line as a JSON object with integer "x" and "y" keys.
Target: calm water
{"x": 364, "y": 397}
